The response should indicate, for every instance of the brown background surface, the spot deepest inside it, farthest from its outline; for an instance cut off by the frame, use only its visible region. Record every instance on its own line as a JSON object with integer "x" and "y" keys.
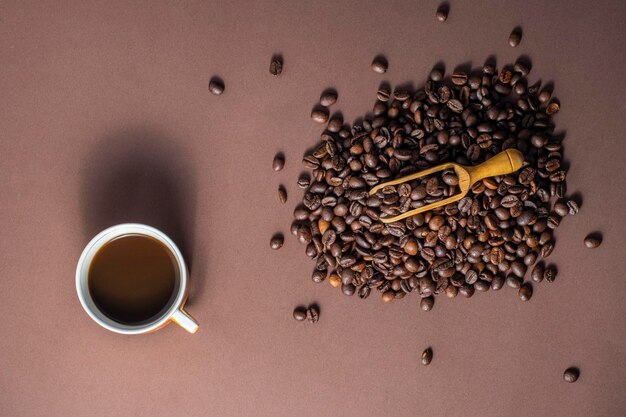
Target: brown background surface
{"x": 105, "y": 118}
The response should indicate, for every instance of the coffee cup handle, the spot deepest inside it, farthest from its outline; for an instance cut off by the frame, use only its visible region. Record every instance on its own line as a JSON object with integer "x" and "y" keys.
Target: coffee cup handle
{"x": 184, "y": 320}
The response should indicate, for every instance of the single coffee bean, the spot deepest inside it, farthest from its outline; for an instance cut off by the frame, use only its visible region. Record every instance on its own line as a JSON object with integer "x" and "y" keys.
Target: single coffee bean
{"x": 513, "y": 281}
{"x": 216, "y": 86}
{"x": 553, "y": 108}
{"x": 388, "y": 296}
{"x": 328, "y": 98}
{"x": 571, "y": 375}
{"x": 561, "y": 208}
{"x": 426, "y": 303}
{"x": 549, "y": 274}
{"x": 334, "y": 280}
{"x": 277, "y": 241}
{"x": 442, "y": 13}
{"x": 593, "y": 240}
{"x": 313, "y": 314}
{"x": 276, "y": 65}
{"x": 348, "y": 289}
{"x": 537, "y": 273}
{"x": 573, "y": 207}
{"x": 459, "y": 77}
{"x": 466, "y": 290}
{"x": 451, "y": 291}
{"x": 282, "y": 194}
{"x": 379, "y": 65}
{"x": 279, "y": 162}
{"x": 299, "y": 313}
{"x": 304, "y": 181}
{"x": 427, "y": 357}
{"x": 497, "y": 282}
{"x": 515, "y": 37}
{"x": 318, "y": 276}
{"x": 525, "y": 292}
{"x": 319, "y": 115}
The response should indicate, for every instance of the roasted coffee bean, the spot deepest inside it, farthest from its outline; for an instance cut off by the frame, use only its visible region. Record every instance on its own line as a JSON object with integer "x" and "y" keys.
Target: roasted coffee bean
{"x": 561, "y": 209}
{"x": 277, "y": 241}
{"x": 459, "y": 77}
{"x": 379, "y": 65}
{"x": 513, "y": 281}
{"x": 364, "y": 291}
{"x": 299, "y": 313}
{"x": 571, "y": 375}
{"x": 388, "y": 295}
{"x": 313, "y": 314}
{"x": 334, "y": 280}
{"x": 348, "y": 289}
{"x": 537, "y": 274}
{"x": 573, "y": 207}
{"x": 318, "y": 276}
{"x": 442, "y": 13}
{"x": 481, "y": 285}
{"x": 497, "y": 282}
{"x": 319, "y": 115}
{"x": 466, "y": 290}
{"x": 549, "y": 274}
{"x": 328, "y": 98}
{"x": 279, "y": 162}
{"x": 426, "y": 303}
{"x": 427, "y": 357}
{"x": 553, "y": 108}
{"x": 525, "y": 292}
{"x": 276, "y": 65}
{"x": 216, "y": 86}
{"x": 515, "y": 37}
{"x": 282, "y": 194}
{"x": 593, "y": 240}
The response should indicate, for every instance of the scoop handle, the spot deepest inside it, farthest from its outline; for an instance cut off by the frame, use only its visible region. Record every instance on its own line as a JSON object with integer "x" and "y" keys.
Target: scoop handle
{"x": 505, "y": 162}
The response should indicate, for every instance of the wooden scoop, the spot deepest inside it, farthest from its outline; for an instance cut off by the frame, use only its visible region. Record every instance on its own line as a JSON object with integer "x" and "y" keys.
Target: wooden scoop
{"x": 505, "y": 162}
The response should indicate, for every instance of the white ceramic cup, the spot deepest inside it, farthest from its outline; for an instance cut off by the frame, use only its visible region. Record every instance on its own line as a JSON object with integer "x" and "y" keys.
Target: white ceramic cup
{"x": 172, "y": 312}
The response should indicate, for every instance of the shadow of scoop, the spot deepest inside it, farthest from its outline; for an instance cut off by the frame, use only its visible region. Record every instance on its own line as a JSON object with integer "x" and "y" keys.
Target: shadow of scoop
{"x": 139, "y": 176}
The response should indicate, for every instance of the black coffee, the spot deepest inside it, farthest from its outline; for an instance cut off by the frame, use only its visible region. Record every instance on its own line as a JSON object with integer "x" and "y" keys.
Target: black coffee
{"x": 132, "y": 278}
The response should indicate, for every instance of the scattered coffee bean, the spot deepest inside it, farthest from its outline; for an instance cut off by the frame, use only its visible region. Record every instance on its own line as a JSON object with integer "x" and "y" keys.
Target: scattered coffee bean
{"x": 513, "y": 281}
{"x": 277, "y": 241}
{"x": 549, "y": 274}
{"x": 525, "y": 292}
{"x": 328, "y": 98}
{"x": 216, "y": 86}
{"x": 282, "y": 194}
{"x": 313, "y": 314}
{"x": 593, "y": 240}
{"x": 427, "y": 357}
{"x": 442, "y": 13}
{"x": 515, "y": 37}
{"x": 571, "y": 375}
{"x": 279, "y": 162}
{"x": 380, "y": 65}
{"x": 573, "y": 207}
{"x": 299, "y": 313}
{"x": 276, "y": 65}
{"x": 319, "y": 115}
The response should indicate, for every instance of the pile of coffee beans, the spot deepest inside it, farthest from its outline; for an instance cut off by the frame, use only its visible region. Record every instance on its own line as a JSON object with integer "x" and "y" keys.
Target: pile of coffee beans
{"x": 490, "y": 237}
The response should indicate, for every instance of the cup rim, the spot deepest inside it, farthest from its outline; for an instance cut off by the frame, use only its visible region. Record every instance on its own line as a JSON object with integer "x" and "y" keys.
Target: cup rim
{"x": 122, "y": 229}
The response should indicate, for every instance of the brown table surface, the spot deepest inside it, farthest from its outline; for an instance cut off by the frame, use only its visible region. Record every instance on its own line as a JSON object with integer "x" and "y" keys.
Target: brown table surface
{"x": 105, "y": 118}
